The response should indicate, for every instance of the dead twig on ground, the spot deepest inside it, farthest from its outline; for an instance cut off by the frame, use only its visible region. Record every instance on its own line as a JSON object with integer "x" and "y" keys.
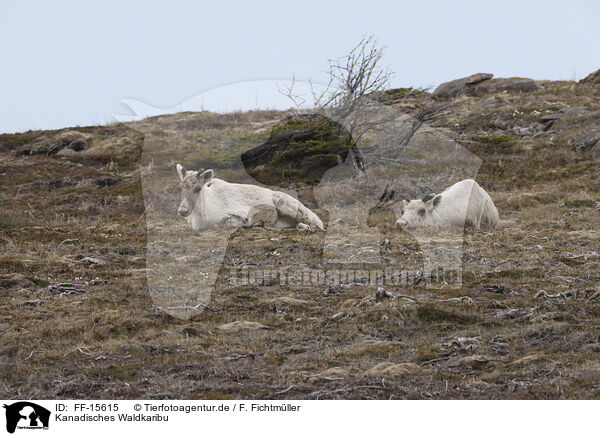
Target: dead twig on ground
{"x": 568, "y": 295}
{"x": 505, "y": 261}
{"x": 382, "y": 293}
{"x": 234, "y": 357}
{"x": 70, "y": 241}
{"x": 196, "y": 307}
{"x": 61, "y": 289}
{"x": 597, "y": 207}
{"x": 285, "y": 390}
{"x": 463, "y": 298}
{"x": 32, "y": 353}
{"x": 439, "y": 359}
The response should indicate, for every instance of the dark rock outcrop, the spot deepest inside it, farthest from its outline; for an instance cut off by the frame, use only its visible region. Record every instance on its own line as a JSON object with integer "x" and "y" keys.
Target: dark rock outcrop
{"x": 513, "y": 84}
{"x": 458, "y": 87}
{"x": 569, "y": 113}
{"x": 15, "y": 281}
{"x": 589, "y": 141}
{"x": 71, "y": 140}
{"x": 482, "y": 84}
{"x": 299, "y": 151}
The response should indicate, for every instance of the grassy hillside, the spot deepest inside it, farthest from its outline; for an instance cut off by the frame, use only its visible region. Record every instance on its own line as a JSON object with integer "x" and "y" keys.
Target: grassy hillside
{"x": 78, "y": 321}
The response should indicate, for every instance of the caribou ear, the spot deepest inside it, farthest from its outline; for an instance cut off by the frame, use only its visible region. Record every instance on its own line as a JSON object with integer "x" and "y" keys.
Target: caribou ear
{"x": 427, "y": 198}
{"x": 181, "y": 172}
{"x": 382, "y": 197}
{"x": 437, "y": 200}
{"x": 206, "y": 176}
{"x": 404, "y": 203}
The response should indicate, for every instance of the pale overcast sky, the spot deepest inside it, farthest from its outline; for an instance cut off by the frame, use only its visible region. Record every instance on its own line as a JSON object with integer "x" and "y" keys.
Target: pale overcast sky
{"x": 68, "y": 63}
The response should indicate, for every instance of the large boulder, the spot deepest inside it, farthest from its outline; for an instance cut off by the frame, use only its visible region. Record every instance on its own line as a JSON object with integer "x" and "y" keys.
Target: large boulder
{"x": 576, "y": 113}
{"x": 72, "y": 140}
{"x": 567, "y": 112}
{"x": 299, "y": 151}
{"x": 513, "y": 84}
{"x": 592, "y": 79}
{"x": 482, "y": 84}
{"x": 589, "y": 141}
{"x": 458, "y": 87}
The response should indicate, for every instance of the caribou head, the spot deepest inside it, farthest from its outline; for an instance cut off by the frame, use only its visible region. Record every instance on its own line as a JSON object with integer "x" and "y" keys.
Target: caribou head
{"x": 192, "y": 183}
{"x": 418, "y": 212}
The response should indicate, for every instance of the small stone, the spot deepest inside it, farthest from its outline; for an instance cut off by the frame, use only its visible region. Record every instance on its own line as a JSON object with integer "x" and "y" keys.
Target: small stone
{"x": 292, "y": 302}
{"x": 168, "y": 333}
{"x": 332, "y": 373}
{"x": 67, "y": 152}
{"x": 195, "y": 331}
{"x": 527, "y": 359}
{"x": 476, "y": 361}
{"x": 93, "y": 260}
{"x": 390, "y": 370}
{"x": 242, "y": 325}
{"x": 32, "y": 303}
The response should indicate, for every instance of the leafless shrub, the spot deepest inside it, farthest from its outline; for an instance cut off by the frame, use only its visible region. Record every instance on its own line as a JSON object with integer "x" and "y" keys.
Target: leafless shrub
{"x": 353, "y": 80}
{"x": 357, "y": 96}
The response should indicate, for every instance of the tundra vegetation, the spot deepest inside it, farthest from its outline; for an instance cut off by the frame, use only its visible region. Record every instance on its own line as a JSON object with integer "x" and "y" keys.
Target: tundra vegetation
{"x": 77, "y": 320}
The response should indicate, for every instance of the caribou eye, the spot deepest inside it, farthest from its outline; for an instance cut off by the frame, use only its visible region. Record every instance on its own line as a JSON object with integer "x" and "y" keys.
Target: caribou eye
{"x": 197, "y": 189}
{"x": 422, "y": 212}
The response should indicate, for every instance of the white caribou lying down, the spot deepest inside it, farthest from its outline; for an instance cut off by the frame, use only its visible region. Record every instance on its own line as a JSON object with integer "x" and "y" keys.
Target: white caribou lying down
{"x": 463, "y": 204}
{"x": 210, "y": 202}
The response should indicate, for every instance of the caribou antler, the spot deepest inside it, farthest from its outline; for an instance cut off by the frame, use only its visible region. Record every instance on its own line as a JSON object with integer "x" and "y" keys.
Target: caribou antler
{"x": 387, "y": 198}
